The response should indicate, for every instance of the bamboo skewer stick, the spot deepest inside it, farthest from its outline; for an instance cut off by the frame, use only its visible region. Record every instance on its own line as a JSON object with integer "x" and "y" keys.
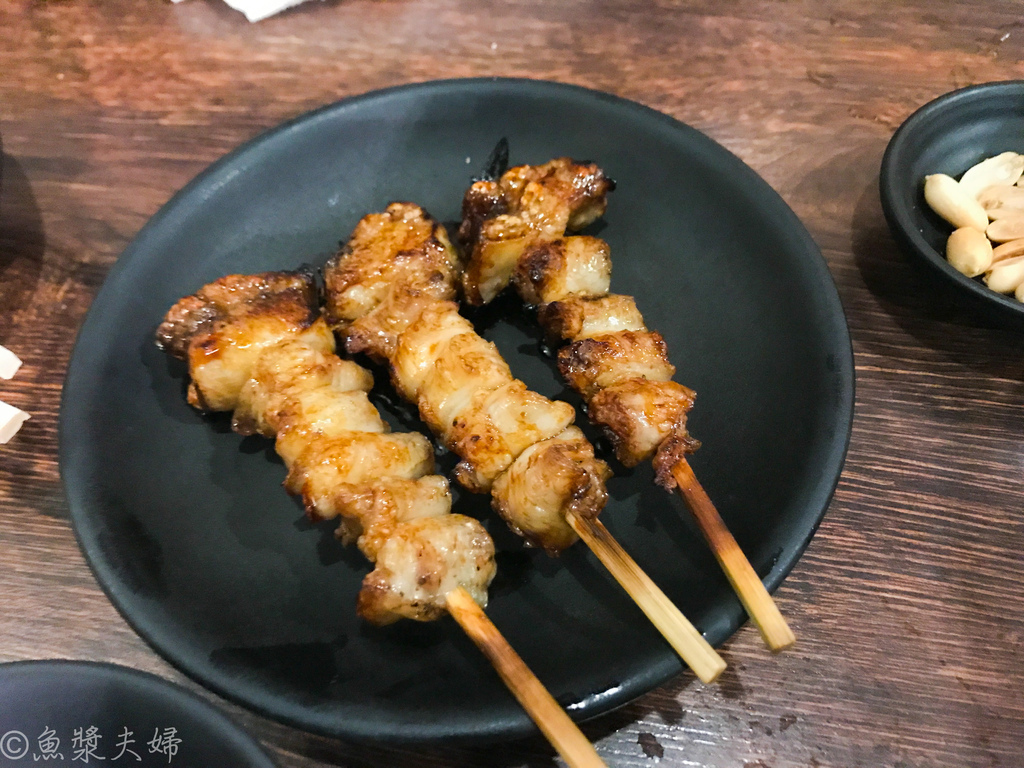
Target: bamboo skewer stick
{"x": 669, "y": 620}
{"x": 540, "y": 705}
{"x": 745, "y": 581}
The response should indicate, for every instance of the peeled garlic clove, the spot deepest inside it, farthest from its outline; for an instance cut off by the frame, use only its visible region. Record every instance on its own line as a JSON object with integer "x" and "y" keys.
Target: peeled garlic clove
{"x": 1006, "y": 276}
{"x": 969, "y": 251}
{"x": 1001, "y": 169}
{"x": 1008, "y": 250}
{"x": 1019, "y": 293}
{"x": 11, "y": 419}
{"x": 952, "y": 203}
{"x": 999, "y": 201}
{"x": 1006, "y": 229}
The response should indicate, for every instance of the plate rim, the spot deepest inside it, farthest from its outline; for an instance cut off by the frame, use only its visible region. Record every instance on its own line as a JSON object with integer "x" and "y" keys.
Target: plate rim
{"x": 844, "y": 394}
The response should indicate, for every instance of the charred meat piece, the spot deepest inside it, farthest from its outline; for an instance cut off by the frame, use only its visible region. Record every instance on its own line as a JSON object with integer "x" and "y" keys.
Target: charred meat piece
{"x": 547, "y": 480}
{"x": 499, "y": 425}
{"x": 565, "y": 267}
{"x": 590, "y": 365}
{"x": 293, "y": 381}
{"x": 465, "y": 365}
{"x": 638, "y": 414}
{"x": 584, "y": 317}
{"x": 422, "y": 343}
{"x": 395, "y": 264}
{"x": 222, "y": 329}
{"x": 422, "y": 559}
{"x": 677, "y": 446}
{"x": 529, "y": 204}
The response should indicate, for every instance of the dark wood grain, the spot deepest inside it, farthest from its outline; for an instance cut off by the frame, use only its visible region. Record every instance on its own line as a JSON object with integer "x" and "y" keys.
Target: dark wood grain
{"x": 907, "y": 605}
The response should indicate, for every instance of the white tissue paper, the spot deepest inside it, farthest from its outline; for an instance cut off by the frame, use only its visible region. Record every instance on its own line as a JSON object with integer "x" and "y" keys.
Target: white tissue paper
{"x": 255, "y": 10}
{"x": 9, "y": 363}
{"x": 11, "y": 419}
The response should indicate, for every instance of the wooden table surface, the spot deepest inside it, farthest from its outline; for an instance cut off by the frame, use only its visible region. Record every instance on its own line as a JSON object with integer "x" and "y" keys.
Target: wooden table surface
{"x": 907, "y": 604}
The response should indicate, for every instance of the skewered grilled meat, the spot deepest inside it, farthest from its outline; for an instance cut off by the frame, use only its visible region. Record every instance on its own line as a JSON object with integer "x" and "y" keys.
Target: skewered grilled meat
{"x": 512, "y": 442}
{"x": 468, "y": 397}
{"x": 397, "y": 264}
{"x": 223, "y": 328}
{"x": 576, "y": 317}
{"x": 513, "y": 230}
{"x": 529, "y": 204}
{"x": 620, "y": 369}
{"x": 256, "y": 345}
{"x": 561, "y": 268}
{"x": 545, "y": 478}
{"x": 618, "y": 366}
{"x": 593, "y": 364}
{"x": 625, "y": 378}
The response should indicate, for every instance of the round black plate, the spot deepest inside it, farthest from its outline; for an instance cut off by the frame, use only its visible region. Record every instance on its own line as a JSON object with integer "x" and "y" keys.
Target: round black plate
{"x": 79, "y": 712}
{"x": 949, "y": 135}
{"x": 190, "y": 534}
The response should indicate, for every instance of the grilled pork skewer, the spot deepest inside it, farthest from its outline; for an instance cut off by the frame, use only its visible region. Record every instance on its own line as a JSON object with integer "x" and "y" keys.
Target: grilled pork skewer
{"x": 619, "y": 367}
{"x": 257, "y": 345}
{"x": 389, "y": 294}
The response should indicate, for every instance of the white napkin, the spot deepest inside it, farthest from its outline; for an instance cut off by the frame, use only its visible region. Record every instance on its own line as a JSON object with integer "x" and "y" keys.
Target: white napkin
{"x": 9, "y": 363}
{"x": 255, "y": 10}
{"x": 11, "y": 419}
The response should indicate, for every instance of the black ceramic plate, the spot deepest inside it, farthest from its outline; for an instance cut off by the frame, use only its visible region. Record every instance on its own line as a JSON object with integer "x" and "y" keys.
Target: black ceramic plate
{"x": 949, "y": 135}
{"x": 190, "y": 534}
{"x": 77, "y": 712}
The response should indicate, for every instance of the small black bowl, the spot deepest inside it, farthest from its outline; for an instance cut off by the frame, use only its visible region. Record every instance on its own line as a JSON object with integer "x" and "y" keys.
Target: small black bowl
{"x": 71, "y": 710}
{"x": 949, "y": 135}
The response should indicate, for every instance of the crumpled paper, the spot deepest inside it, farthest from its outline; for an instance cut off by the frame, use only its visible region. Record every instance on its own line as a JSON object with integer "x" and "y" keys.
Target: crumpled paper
{"x": 11, "y": 418}
{"x": 255, "y": 10}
